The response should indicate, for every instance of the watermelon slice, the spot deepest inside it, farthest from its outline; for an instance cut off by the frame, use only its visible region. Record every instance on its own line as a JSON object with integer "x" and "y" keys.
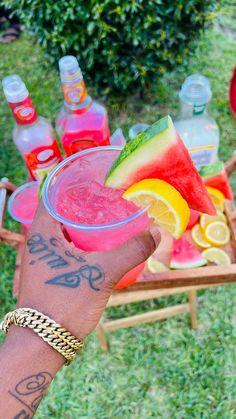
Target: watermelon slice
{"x": 215, "y": 176}
{"x": 158, "y": 152}
{"x": 194, "y": 217}
{"x": 185, "y": 255}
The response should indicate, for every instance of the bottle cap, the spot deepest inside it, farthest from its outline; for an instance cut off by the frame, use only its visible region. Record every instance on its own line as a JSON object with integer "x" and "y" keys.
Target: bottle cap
{"x": 136, "y": 129}
{"x": 69, "y": 68}
{"x": 14, "y": 89}
{"x": 195, "y": 90}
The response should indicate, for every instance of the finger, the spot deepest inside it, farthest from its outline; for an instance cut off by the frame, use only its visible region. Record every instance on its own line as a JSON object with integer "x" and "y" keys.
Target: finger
{"x": 130, "y": 254}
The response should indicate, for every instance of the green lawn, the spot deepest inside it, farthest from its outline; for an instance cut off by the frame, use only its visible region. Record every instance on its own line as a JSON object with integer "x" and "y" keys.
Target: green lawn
{"x": 163, "y": 369}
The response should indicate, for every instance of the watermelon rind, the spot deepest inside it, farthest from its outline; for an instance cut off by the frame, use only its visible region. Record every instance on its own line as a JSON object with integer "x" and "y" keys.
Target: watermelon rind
{"x": 163, "y": 128}
{"x": 188, "y": 265}
{"x": 211, "y": 169}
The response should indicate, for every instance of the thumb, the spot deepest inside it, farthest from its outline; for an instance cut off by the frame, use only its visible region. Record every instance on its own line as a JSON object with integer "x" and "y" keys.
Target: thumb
{"x": 131, "y": 253}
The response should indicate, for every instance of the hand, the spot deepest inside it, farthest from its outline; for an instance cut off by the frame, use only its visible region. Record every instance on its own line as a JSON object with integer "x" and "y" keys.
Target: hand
{"x": 70, "y": 286}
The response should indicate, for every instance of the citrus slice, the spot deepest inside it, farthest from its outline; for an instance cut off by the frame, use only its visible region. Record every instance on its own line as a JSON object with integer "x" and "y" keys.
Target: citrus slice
{"x": 217, "y": 197}
{"x": 164, "y": 203}
{"x": 155, "y": 266}
{"x": 217, "y": 256}
{"x": 217, "y": 233}
{"x": 207, "y": 219}
{"x": 198, "y": 238}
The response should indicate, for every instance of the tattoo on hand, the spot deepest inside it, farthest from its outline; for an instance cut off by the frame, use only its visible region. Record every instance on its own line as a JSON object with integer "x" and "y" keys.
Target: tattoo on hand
{"x": 30, "y": 391}
{"x": 77, "y": 258}
{"x": 92, "y": 274}
{"x": 38, "y": 246}
{"x": 23, "y": 415}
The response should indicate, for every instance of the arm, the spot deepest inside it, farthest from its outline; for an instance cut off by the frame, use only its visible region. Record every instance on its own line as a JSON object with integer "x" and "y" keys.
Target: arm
{"x": 71, "y": 287}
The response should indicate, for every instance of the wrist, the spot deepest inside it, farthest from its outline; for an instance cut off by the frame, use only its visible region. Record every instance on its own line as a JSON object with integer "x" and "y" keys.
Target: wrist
{"x": 33, "y": 347}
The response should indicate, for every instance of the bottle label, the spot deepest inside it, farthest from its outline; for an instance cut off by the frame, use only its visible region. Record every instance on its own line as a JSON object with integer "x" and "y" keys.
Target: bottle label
{"x": 203, "y": 155}
{"x": 75, "y": 93}
{"x": 79, "y": 145}
{"x": 24, "y": 112}
{"x": 42, "y": 160}
{"x": 199, "y": 109}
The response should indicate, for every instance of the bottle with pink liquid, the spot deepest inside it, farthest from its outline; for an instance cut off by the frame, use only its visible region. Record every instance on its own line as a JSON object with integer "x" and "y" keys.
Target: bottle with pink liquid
{"x": 81, "y": 123}
{"x": 32, "y": 135}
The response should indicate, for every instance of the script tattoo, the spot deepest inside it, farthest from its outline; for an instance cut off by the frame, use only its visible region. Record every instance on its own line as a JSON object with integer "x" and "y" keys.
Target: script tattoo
{"x": 77, "y": 258}
{"x": 22, "y": 415}
{"x": 38, "y": 246}
{"x": 30, "y": 391}
{"x": 92, "y": 274}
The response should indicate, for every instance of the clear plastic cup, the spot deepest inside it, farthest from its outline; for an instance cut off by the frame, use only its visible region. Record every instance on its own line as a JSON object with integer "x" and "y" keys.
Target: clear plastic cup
{"x": 23, "y": 203}
{"x": 93, "y": 237}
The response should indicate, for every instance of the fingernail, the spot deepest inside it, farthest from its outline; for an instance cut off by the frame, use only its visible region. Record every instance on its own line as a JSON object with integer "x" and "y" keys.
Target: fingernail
{"x": 156, "y": 235}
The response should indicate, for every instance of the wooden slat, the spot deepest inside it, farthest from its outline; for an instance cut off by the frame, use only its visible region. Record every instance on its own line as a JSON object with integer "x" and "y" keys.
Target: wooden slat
{"x": 230, "y": 165}
{"x": 120, "y": 298}
{"x": 209, "y": 275}
{"x": 151, "y": 316}
{"x": 192, "y": 296}
{"x": 3, "y": 195}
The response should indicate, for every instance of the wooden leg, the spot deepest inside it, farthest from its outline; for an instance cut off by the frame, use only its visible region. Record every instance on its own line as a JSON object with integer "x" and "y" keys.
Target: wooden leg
{"x": 102, "y": 337}
{"x": 192, "y": 296}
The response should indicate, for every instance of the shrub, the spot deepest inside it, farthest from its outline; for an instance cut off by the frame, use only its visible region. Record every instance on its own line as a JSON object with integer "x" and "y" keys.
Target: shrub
{"x": 120, "y": 44}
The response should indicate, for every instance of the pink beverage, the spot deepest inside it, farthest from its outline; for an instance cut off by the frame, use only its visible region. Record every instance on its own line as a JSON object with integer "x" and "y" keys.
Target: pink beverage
{"x": 32, "y": 135}
{"x": 81, "y": 123}
{"x": 94, "y": 216}
{"x": 23, "y": 203}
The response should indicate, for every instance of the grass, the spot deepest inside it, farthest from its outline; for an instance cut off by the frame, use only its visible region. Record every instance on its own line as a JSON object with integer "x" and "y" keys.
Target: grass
{"x": 161, "y": 370}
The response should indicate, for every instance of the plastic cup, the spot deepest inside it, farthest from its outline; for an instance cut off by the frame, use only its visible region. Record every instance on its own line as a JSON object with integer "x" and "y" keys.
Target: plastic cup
{"x": 93, "y": 237}
{"x": 23, "y": 203}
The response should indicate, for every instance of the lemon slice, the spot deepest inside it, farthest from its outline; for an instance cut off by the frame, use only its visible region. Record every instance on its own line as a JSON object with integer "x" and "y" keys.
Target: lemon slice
{"x": 155, "y": 266}
{"x": 164, "y": 202}
{"x": 198, "y": 238}
{"x": 217, "y": 197}
{"x": 207, "y": 219}
{"x": 217, "y": 233}
{"x": 217, "y": 256}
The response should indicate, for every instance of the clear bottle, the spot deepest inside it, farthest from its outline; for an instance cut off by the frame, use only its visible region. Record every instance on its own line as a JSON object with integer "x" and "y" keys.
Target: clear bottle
{"x": 196, "y": 128}
{"x": 81, "y": 123}
{"x": 32, "y": 134}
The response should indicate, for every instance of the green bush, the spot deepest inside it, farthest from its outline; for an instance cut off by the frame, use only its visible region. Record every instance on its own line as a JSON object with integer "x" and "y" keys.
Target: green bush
{"x": 120, "y": 44}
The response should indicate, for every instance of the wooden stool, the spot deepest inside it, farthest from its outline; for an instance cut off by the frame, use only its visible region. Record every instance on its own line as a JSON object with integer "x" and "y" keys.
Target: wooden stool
{"x": 122, "y": 298}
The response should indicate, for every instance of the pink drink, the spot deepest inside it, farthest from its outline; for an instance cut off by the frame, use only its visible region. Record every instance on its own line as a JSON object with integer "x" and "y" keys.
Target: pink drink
{"x": 83, "y": 128}
{"x": 23, "y": 203}
{"x": 81, "y": 123}
{"x": 95, "y": 217}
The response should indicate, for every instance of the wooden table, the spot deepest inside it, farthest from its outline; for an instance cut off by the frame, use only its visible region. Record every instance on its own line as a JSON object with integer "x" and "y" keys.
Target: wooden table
{"x": 148, "y": 285}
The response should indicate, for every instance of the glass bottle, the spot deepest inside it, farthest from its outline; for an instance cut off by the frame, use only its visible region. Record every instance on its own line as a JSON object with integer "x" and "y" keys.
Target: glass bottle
{"x": 81, "y": 123}
{"x": 32, "y": 134}
{"x": 196, "y": 128}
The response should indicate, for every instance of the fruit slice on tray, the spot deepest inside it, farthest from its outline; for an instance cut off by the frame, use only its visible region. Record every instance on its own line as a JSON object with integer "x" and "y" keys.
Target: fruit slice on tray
{"x": 164, "y": 204}
{"x": 215, "y": 176}
{"x": 217, "y": 198}
{"x": 217, "y": 256}
{"x": 198, "y": 237}
{"x": 159, "y": 153}
{"x": 155, "y": 266}
{"x": 185, "y": 255}
{"x": 217, "y": 233}
{"x": 194, "y": 217}
{"x": 207, "y": 219}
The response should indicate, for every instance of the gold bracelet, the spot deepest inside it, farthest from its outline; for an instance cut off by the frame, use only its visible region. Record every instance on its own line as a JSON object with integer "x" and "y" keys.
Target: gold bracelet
{"x": 50, "y": 331}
